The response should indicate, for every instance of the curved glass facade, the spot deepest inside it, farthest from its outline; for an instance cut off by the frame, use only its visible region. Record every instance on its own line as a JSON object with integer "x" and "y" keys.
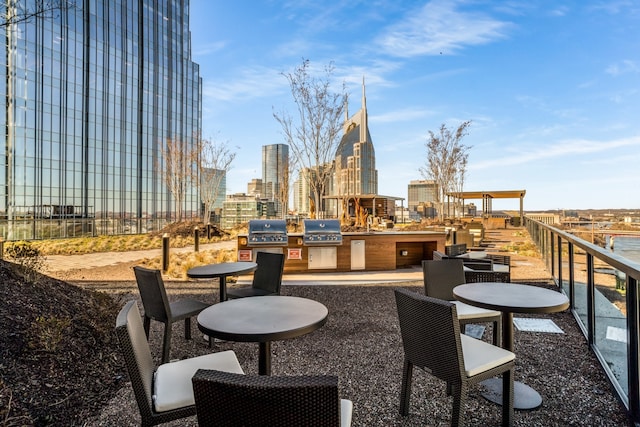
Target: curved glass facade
{"x": 92, "y": 95}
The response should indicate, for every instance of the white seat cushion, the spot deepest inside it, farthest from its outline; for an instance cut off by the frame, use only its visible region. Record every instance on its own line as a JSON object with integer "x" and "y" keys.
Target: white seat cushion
{"x": 172, "y": 387}
{"x": 466, "y": 311}
{"x": 480, "y": 356}
{"x": 346, "y": 409}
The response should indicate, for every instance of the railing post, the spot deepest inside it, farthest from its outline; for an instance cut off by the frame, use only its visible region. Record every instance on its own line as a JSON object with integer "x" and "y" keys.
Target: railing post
{"x": 552, "y": 254}
{"x": 572, "y": 294}
{"x": 560, "y": 283}
{"x": 196, "y": 239}
{"x": 165, "y": 252}
{"x": 633, "y": 347}
{"x": 591, "y": 297}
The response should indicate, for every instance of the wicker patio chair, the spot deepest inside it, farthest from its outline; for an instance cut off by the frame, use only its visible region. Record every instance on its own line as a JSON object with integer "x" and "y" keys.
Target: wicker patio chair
{"x": 500, "y": 259}
{"x": 455, "y": 250}
{"x": 267, "y": 278}
{"x": 164, "y": 393}
{"x": 432, "y": 341}
{"x": 478, "y": 264}
{"x": 225, "y": 399}
{"x": 440, "y": 277}
{"x": 437, "y": 256}
{"x": 157, "y": 306}
{"x": 475, "y": 276}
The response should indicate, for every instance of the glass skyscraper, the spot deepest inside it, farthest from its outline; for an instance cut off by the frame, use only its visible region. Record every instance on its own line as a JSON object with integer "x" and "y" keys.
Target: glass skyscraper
{"x": 92, "y": 94}
{"x": 275, "y": 168}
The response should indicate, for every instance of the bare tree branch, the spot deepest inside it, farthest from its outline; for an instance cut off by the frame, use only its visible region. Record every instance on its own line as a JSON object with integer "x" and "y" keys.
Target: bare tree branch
{"x": 178, "y": 167}
{"x": 315, "y": 133}
{"x": 17, "y": 11}
{"x": 215, "y": 163}
{"x": 446, "y": 161}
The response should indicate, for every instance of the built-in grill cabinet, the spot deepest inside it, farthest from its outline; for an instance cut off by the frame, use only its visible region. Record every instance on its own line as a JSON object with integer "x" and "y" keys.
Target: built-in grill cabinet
{"x": 322, "y": 232}
{"x": 267, "y": 232}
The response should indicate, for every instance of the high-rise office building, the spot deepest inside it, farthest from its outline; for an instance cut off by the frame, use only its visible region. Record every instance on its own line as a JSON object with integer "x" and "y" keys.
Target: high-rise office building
{"x": 275, "y": 169}
{"x": 421, "y": 193}
{"x": 92, "y": 95}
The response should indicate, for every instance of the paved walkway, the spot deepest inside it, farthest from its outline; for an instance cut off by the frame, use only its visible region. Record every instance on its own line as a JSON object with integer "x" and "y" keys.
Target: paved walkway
{"x": 57, "y": 263}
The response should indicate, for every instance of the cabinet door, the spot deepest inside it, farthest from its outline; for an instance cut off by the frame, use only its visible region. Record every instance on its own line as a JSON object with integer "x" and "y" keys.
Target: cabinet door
{"x": 324, "y": 257}
{"x": 357, "y": 255}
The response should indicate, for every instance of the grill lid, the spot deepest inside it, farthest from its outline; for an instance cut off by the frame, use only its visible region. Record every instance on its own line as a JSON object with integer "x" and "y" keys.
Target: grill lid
{"x": 322, "y": 232}
{"x": 267, "y": 232}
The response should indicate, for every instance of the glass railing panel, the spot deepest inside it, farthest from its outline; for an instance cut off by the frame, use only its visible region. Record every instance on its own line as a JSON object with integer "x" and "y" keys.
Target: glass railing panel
{"x": 564, "y": 267}
{"x": 611, "y": 320}
{"x": 580, "y": 285}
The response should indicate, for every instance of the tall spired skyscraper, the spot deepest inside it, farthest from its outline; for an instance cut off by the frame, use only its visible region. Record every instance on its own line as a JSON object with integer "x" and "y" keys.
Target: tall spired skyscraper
{"x": 355, "y": 160}
{"x": 92, "y": 94}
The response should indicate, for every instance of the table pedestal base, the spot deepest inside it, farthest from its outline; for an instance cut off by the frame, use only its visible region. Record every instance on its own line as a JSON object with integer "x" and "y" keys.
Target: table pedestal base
{"x": 524, "y": 397}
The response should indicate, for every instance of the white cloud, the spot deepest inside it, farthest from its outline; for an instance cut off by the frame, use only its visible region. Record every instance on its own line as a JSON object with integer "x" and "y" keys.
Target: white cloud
{"x": 404, "y": 115}
{"x": 438, "y": 28}
{"x": 559, "y": 149}
{"x": 209, "y": 48}
{"x": 250, "y": 83}
{"x": 623, "y": 67}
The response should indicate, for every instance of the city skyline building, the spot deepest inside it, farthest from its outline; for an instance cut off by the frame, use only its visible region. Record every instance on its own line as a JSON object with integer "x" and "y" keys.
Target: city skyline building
{"x": 91, "y": 96}
{"x": 355, "y": 160}
{"x": 275, "y": 171}
{"x": 255, "y": 188}
{"x": 421, "y": 196}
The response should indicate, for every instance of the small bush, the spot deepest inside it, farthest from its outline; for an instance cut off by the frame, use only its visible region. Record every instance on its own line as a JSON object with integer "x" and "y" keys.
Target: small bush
{"x": 47, "y": 332}
{"x": 28, "y": 258}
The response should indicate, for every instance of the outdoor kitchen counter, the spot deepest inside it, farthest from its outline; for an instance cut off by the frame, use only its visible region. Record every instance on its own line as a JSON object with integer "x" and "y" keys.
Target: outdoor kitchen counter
{"x": 383, "y": 250}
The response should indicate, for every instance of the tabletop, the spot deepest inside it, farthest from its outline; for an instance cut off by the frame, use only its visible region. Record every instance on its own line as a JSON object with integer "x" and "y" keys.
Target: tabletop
{"x": 511, "y": 297}
{"x": 259, "y": 319}
{"x": 210, "y": 271}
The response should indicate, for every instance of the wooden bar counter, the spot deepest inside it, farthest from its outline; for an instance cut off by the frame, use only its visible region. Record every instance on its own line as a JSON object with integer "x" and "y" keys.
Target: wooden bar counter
{"x": 359, "y": 251}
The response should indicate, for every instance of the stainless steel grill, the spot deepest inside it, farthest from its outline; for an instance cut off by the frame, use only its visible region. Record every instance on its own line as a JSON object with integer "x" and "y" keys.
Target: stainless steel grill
{"x": 322, "y": 232}
{"x": 267, "y": 232}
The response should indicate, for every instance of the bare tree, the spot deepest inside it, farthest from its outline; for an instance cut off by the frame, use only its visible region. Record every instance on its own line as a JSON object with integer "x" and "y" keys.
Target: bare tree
{"x": 178, "y": 168}
{"x": 446, "y": 161}
{"x": 284, "y": 188}
{"x": 17, "y": 11}
{"x": 215, "y": 163}
{"x": 315, "y": 133}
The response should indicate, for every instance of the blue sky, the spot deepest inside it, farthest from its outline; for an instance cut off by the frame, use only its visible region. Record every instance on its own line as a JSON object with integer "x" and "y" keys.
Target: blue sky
{"x": 552, "y": 87}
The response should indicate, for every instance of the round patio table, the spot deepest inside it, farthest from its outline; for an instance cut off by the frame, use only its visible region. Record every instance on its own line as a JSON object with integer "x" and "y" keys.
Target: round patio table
{"x": 221, "y": 271}
{"x": 262, "y": 320}
{"x": 511, "y": 298}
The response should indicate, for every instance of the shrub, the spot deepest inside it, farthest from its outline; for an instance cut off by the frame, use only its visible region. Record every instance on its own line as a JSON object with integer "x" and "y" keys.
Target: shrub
{"x": 28, "y": 258}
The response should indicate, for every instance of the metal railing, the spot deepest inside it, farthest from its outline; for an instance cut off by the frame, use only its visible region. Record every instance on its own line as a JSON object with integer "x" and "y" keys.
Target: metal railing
{"x": 603, "y": 290}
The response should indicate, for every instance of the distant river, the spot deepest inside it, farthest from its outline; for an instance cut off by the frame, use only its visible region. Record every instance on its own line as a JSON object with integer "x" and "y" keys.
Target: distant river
{"x": 628, "y": 247}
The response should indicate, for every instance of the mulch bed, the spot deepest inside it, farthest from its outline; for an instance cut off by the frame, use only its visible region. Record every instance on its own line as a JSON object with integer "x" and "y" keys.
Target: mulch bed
{"x": 77, "y": 377}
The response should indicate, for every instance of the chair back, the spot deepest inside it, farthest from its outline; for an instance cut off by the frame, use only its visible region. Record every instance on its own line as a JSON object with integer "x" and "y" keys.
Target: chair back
{"x": 268, "y": 275}
{"x": 137, "y": 355}
{"x": 440, "y": 277}
{"x": 479, "y": 264}
{"x": 224, "y": 398}
{"x": 500, "y": 259}
{"x": 456, "y": 249}
{"x": 431, "y": 334}
{"x": 153, "y": 294}
{"x": 437, "y": 256}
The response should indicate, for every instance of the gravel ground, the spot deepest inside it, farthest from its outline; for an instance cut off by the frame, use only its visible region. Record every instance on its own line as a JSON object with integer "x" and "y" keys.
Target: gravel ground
{"x": 360, "y": 343}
